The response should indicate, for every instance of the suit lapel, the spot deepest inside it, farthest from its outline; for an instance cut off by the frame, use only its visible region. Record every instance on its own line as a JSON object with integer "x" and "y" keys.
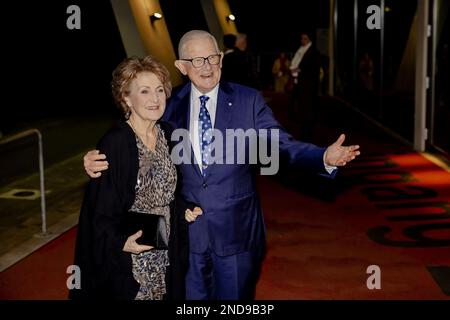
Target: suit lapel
{"x": 183, "y": 116}
{"x": 224, "y": 108}
{"x": 183, "y": 113}
{"x": 224, "y": 111}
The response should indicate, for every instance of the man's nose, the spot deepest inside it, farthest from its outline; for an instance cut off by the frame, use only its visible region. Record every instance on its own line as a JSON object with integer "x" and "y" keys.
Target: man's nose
{"x": 207, "y": 64}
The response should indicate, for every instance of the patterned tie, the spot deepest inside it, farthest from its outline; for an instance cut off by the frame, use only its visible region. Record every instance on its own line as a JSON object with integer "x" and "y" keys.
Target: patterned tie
{"x": 205, "y": 133}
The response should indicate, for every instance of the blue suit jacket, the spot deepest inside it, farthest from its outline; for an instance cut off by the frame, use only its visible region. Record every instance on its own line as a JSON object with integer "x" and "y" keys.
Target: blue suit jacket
{"x": 232, "y": 220}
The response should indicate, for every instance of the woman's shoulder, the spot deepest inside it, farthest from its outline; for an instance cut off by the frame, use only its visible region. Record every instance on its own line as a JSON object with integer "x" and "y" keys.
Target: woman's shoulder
{"x": 167, "y": 128}
{"x": 119, "y": 133}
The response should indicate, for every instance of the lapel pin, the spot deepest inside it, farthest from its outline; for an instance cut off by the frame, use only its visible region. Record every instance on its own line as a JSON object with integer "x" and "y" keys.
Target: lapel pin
{"x": 230, "y": 104}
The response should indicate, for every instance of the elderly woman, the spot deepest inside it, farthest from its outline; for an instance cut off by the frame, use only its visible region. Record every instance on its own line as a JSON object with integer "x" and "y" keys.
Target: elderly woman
{"x": 141, "y": 178}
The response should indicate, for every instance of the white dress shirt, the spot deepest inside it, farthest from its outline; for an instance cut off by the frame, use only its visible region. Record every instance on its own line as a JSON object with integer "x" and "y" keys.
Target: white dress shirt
{"x": 211, "y": 106}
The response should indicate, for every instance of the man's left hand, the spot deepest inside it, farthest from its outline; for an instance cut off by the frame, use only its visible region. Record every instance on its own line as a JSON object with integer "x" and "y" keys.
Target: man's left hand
{"x": 339, "y": 155}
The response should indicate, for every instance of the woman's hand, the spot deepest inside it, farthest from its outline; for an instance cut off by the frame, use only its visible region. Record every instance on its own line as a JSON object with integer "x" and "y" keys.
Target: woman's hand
{"x": 191, "y": 215}
{"x": 132, "y": 246}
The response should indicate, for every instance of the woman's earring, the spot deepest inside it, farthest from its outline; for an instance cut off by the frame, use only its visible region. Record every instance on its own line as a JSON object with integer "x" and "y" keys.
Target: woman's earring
{"x": 128, "y": 114}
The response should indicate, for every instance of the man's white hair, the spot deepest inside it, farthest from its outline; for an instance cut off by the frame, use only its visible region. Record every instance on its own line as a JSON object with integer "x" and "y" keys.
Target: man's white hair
{"x": 194, "y": 35}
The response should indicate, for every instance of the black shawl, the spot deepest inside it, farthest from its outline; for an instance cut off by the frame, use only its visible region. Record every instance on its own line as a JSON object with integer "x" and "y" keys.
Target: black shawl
{"x": 106, "y": 270}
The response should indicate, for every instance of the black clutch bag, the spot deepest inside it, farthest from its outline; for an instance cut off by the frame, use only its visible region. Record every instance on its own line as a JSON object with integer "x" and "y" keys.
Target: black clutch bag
{"x": 154, "y": 232}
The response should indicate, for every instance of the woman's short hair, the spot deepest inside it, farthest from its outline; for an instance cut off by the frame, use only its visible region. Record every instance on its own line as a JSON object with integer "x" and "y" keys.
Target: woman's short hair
{"x": 128, "y": 70}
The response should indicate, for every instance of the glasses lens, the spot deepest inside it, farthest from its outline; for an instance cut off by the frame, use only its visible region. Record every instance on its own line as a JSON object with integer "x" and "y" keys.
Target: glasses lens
{"x": 198, "y": 62}
{"x": 214, "y": 59}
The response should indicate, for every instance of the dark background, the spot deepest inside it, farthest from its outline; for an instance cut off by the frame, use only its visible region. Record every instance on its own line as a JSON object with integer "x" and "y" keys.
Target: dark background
{"x": 51, "y": 71}
{"x": 274, "y": 26}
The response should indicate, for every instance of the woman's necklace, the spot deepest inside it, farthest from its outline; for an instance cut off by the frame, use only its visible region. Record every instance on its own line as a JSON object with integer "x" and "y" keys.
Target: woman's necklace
{"x": 132, "y": 127}
{"x": 149, "y": 144}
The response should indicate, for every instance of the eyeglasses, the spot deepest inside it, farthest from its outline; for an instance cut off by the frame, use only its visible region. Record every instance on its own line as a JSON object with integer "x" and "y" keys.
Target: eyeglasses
{"x": 198, "y": 62}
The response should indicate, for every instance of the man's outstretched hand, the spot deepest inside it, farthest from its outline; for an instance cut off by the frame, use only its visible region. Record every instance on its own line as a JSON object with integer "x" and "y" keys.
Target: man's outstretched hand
{"x": 93, "y": 163}
{"x": 339, "y": 155}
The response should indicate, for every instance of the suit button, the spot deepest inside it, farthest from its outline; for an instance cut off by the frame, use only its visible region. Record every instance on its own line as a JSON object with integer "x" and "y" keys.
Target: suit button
{"x": 204, "y": 185}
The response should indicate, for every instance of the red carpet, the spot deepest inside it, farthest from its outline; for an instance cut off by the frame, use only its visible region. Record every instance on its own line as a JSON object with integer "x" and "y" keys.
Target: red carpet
{"x": 42, "y": 275}
{"x": 321, "y": 250}
{"x": 391, "y": 208}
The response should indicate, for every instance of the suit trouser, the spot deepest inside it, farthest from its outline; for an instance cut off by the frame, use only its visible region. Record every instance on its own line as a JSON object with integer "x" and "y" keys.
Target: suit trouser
{"x": 213, "y": 277}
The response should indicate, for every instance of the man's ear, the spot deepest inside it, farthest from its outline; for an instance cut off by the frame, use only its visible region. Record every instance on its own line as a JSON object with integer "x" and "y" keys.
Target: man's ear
{"x": 181, "y": 67}
{"x": 221, "y": 58}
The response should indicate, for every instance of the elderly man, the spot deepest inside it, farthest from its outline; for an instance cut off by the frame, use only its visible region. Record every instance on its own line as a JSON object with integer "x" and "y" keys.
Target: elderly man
{"x": 227, "y": 238}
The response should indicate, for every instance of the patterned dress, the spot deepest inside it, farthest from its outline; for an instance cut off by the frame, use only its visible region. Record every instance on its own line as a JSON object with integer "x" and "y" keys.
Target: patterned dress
{"x": 155, "y": 189}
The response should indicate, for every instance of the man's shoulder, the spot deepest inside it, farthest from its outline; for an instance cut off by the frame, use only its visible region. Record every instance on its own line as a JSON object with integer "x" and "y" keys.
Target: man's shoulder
{"x": 313, "y": 50}
{"x": 179, "y": 92}
{"x": 239, "y": 89}
{"x": 185, "y": 86}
